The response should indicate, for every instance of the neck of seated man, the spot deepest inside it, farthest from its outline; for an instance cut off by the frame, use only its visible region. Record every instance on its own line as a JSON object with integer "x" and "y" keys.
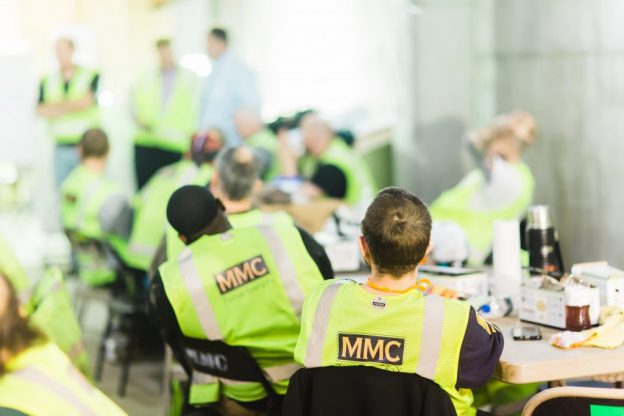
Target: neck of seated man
{"x": 390, "y": 282}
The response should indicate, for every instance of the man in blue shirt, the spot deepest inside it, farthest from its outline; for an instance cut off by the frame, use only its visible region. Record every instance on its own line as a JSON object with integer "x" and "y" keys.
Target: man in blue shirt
{"x": 230, "y": 86}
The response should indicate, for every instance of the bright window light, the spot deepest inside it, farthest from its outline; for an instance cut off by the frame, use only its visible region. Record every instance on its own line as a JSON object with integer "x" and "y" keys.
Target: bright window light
{"x": 196, "y": 62}
{"x": 106, "y": 98}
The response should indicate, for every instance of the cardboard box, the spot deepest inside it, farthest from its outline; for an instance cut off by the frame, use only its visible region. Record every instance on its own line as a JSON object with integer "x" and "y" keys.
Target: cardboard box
{"x": 547, "y": 306}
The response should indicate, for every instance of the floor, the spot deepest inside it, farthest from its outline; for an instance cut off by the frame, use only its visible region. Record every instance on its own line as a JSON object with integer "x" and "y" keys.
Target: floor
{"x": 144, "y": 395}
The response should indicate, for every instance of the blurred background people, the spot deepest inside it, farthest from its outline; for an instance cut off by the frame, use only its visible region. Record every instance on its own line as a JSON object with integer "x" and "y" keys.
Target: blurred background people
{"x": 68, "y": 100}
{"x": 501, "y": 189}
{"x": 164, "y": 106}
{"x": 230, "y": 86}
{"x": 94, "y": 207}
{"x": 330, "y": 167}
{"x": 150, "y": 221}
{"x": 261, "y": 139}
{"x": 36, "y": 377}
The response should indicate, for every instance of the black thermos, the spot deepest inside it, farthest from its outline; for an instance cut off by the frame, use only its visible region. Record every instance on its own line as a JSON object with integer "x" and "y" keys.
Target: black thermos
{"x": 542, "y": 241}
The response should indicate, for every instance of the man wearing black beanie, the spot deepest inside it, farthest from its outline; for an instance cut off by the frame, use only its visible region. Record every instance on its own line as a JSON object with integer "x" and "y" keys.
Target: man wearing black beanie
{"x": 243, "y": 286}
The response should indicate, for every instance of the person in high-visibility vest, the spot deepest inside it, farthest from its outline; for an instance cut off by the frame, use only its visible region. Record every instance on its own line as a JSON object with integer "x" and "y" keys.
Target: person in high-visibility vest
{"x": 390, "y": 322}
{"x": 261, "y": 139}
{"x": 67, "y": 98}
{"x": 94, "y": 207}
{"x": 235, "y": 181}
{"x": 150, "y": 220}
{"x": 164, "y": 104}
{"x": 502, "y": 189}
{"x": 243, "y": 286}
{"x": 36, "y": 377}
{"x": 330, "y": 167}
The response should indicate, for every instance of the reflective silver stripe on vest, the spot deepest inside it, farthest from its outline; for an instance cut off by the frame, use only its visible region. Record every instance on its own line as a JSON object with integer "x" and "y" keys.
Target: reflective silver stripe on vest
{"x": 281, "y": 372}
{"x": 316, "y": 340}
{"x": 37, "y": 377}
{"x": 142, "y": 250}
{"x": 274, "y": 374}
{"x": 91, "y": 192}
{"x": 195, "y": 290}
{"x": 187, "y": 176}
{"x": 203, "y": 378}
{"x": 285, "y": 267}
{"x": 431, "y": 336}
{"x": 267, "y": 218}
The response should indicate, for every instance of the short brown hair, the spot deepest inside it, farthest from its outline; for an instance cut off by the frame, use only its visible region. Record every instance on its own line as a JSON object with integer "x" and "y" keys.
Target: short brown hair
{"x": 94, "y": 143}
{"x": 16, "y": 335}
{"x": 397, "y": 229}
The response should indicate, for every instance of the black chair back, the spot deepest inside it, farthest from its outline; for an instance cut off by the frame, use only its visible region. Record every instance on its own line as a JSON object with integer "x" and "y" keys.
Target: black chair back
{"x": 363, "y": 391}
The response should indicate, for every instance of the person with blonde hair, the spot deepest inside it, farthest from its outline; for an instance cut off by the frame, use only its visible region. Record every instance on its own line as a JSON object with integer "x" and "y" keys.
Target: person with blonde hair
{"x": 36, "y": 377}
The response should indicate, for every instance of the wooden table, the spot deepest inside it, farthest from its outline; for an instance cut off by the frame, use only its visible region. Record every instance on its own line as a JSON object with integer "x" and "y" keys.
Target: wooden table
{"x": 538, "y": 361}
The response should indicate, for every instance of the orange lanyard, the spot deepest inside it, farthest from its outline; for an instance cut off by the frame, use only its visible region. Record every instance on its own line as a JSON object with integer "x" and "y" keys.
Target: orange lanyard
{"x": 423, "y": 285}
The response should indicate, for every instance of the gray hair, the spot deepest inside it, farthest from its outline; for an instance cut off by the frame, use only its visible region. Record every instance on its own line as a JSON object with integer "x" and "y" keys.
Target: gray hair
{"x": 238, "y": 169}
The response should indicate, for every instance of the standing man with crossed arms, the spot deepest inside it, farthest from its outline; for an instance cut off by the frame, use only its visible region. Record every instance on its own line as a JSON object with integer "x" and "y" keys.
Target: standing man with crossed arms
{"x": 67, "y": 99}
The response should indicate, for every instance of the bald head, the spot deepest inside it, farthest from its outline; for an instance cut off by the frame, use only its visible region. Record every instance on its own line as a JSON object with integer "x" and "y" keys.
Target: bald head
{"x": 237, "y": 174}
{"x": 248, "y": 122}
{"x": 317, "y": 134}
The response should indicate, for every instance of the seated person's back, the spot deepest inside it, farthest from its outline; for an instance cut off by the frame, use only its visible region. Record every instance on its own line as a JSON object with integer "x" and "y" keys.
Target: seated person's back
{"x": 243, "y": 286}
{"x": 93, "y": 205}
{"x": 389, "y": 323}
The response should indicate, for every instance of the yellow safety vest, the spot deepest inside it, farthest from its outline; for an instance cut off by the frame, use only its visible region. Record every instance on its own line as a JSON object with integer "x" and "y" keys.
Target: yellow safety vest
{"x": 68, "y": 128}
{"x": 360, "y": 183}
{"x": 172, "y": 125}
{"x": 342, "y": 324}
{"x": 244, "y": 287}
{"x": 251, "y": 218}
{"x": 150, "y": 208}
{"x": 42, "y": 382}
{"x": 84, "y": 193}
{"x": 454, "y": 205}
{"x": 51, "y": 310}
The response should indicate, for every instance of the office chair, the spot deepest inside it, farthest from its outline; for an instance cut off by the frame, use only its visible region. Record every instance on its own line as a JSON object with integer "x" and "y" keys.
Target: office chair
{"x": 576, "y": 401}
{"x": 363, "y": 391}
{"x": 239, "y": 365}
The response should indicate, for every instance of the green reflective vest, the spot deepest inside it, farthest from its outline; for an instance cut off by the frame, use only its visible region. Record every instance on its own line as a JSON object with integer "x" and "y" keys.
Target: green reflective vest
{"x": 68, "y": 128}
{"x": 42, "y": 382}
{"x": 171, "y": 125}
{"x": 361, "y": 186}
{"x": 342, "y": 324}
{"x": 84, "y": 194}
{"x": 150, "y": 208}
{"x": 50, "y": 309}
{"x": 266, "y": 140}
{"x": 13, "y": 270}
{"x": 244, "y": 287}
{"x": 251, "y": 218}
{"x": 454, "y": 205}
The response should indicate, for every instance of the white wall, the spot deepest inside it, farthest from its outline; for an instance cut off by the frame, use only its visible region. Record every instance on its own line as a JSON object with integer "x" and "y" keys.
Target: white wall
{"x": 336, "y": 56}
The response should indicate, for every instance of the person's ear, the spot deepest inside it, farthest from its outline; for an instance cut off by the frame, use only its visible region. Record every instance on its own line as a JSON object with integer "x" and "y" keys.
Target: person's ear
{"x": 183, "y": 238}
{"x": 429, "y": 247}
{"x": 364, "y": 250}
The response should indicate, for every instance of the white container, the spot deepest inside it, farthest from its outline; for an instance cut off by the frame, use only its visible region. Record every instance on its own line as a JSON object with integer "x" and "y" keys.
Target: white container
{"x": 608, "y": 280}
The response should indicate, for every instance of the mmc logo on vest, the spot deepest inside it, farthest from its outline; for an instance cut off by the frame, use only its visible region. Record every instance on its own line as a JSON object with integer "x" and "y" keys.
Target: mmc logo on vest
{"x": 370, "y": 348}
{"x": 241, "y": 274}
